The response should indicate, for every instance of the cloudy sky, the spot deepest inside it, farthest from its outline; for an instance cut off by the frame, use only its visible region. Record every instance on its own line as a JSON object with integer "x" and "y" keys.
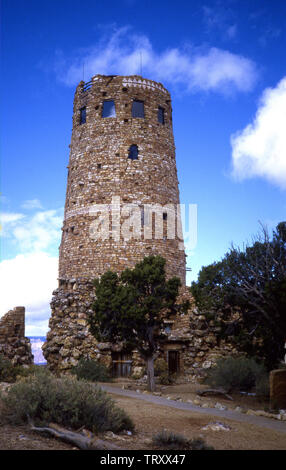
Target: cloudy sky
{"x": 224, "y": 65}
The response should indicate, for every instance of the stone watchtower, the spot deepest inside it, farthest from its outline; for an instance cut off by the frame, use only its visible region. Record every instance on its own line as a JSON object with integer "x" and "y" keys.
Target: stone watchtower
{"x": 121, "y": 202}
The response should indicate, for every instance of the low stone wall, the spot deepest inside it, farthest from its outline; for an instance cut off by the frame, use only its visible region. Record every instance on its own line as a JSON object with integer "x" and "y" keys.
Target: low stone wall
{"x": 69, "y": 339}
{"x": 13, "y": 343}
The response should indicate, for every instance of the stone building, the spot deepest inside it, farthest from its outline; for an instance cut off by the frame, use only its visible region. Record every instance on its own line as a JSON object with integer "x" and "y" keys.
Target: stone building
{"x": 13, "y": 343}
{"x": 122, "y": 204}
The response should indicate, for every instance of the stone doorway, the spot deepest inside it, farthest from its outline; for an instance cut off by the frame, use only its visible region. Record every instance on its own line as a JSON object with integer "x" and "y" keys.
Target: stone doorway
{"x": 121, "y": 364}
{"x": 174, "y": 362}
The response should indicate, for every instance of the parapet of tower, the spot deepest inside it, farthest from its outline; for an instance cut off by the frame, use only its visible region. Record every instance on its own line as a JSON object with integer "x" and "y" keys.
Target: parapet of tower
{"x": 122, "y": 149}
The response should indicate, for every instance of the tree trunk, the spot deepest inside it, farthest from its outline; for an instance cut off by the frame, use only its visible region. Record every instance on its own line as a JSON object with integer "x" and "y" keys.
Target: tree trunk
{"x": 150, "y": 374}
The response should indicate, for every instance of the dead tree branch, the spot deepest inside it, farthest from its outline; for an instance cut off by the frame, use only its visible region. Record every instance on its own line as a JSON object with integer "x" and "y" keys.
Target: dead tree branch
{"x": 83, "y": 441}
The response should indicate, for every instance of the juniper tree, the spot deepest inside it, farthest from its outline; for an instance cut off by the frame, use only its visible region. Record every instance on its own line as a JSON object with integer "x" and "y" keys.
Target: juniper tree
{"x": 251, "y": 282}
{"x": 130, "y": 308}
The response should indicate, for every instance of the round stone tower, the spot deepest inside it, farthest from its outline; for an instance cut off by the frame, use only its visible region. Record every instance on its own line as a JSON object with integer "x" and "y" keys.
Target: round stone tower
{"x": 122, "y": 199}
{"x": 122, "y": 154}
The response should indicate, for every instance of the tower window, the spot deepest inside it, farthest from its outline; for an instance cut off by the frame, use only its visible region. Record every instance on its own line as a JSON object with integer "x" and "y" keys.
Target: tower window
{"x": 82, "y": 116}
{"x": 161, "y": 115}
{"x": 165, "y": 215}
{"x": 108, "y": 109}
{"x": 138, "y": 109}
{"x": 133, "y": 152}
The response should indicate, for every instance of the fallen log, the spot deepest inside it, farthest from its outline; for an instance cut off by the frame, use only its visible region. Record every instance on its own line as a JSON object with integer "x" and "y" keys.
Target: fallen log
{"x": 84, "y": 441}
{"x": 214, "y": 391}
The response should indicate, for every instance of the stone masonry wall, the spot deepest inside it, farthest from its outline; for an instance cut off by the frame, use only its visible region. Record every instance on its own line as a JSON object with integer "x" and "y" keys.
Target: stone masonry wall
{"x": 13, "y": 344}
{"x": 69, "y": 339}
{"x": 100, "y": 172}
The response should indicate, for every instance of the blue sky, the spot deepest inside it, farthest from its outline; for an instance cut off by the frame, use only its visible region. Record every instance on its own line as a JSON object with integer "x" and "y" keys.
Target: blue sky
{"x": 224, "y": 65}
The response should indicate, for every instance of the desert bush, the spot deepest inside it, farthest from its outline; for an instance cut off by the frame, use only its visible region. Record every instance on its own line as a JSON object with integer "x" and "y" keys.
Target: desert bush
{"x": 91, "y": 370}
{"x": 262, "y": 386}
{"x": 166, "y": 379}
{"x": 161, "y": 370}
{"x": 160, "y": 366}
{"x": 170, "y": 440}
{"x": 236, "y": 374}
{"x": 66, "y": 401}
{"x": 9, "y": 371}
{"x": 199, "y": 444}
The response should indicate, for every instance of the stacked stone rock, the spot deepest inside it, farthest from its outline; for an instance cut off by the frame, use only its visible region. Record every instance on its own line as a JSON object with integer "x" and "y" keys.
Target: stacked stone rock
{"x": 13, "y": 344}
{"x": 100, "y": 171}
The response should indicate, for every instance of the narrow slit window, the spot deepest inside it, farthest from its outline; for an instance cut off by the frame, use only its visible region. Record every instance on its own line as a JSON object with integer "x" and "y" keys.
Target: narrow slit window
{"x": 108, "y": 109}
{"x": 161, "y": 115}
{"x": 165, "y": 215}
{"x": 82, "y": 116}
{"x": 138, "y": 109}
{"x": 133, "y": 152}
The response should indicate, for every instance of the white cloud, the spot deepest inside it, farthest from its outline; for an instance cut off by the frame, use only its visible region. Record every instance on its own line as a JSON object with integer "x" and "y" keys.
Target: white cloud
{"x": 10, "y": 217}
{"x": 259, "y": 150}
{"x": 32, "y": 204}
{"x": 39, "y": 231}
{"x": 122, "y": 53}
{"x": 29, "y": 280}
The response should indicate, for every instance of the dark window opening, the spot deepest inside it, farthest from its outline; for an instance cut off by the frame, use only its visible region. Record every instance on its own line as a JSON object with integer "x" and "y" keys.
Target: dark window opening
{"x": 99, "y": 165}
{"x": 108, "y": 109}
{"x": 138, "y": 109}
{"x": 161, "y": 115}
{"x": 142, "y": 217}
{"x": 82, "y": 118}
{"x": 165, "y": 215}
{"x": 133, "y": 152}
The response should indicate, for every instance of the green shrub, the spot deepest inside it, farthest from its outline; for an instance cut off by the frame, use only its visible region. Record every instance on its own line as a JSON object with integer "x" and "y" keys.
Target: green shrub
{"x": 235, "y": 374}
{"x": 199, "y": 444}
{"x": 161, "y": 370}
{"x": 166, "y": 379}
{"x": 65, "y": 401}
{"x": 160, "y": 366}
{"x": 262, "y": 386}
{"x": 9, "y": 371}
{"x": 170, "y": 440}
{"x": 91, "y": 370}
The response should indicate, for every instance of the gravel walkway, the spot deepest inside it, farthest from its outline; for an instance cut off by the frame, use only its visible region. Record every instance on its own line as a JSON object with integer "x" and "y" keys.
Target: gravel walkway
{"x": 228, "y": 414}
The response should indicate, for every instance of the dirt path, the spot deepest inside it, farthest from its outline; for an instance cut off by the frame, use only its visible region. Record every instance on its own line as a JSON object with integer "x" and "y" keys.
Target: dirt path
{"x": 279, "y": 426}
{"x": 150, "y": 418}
